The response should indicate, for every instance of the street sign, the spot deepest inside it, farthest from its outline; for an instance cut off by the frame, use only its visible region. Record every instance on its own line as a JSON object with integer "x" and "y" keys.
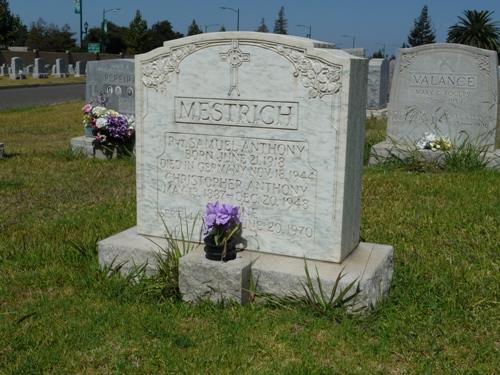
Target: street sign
{"x": 94, "y": 48}
{"x": 78, "y": 7}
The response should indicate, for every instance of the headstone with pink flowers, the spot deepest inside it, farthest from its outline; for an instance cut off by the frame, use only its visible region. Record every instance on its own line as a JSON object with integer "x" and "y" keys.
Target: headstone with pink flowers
{"x": 271, "y": 124}
{"x": 111, "y": 83}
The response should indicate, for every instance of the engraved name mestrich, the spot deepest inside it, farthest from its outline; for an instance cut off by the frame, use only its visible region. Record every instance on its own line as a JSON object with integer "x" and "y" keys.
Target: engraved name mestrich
{"x": 250, "y": 113}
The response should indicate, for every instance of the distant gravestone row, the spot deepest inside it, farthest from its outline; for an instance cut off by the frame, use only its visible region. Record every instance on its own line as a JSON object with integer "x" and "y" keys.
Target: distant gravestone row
{"x": 448, "y": 90}
{"x": 40, "y": 69}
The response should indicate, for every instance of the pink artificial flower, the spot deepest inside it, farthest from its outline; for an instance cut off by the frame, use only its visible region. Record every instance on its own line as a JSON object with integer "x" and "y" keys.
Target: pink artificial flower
{"x": 87, "y": 108}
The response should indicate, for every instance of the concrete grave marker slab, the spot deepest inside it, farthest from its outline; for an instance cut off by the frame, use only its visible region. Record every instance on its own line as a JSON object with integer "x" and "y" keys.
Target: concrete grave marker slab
{"x": 446, "y": 89}
{"x": 79, "y": 69}
{"x": 272, "y": 123}
{"x": 40, "y": 68}
{"x": 16, "y": 68}
{"x": 60, "y": 69}
{"x": 378, "y": 83}
{"x": 111, "y": 83}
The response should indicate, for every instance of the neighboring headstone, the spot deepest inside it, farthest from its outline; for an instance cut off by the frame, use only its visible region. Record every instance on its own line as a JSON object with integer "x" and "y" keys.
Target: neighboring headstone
{"x": 53, "y": 70}
{"x": 449, "y": 90}
{"x": 79, "y": 69}
{"x": 446, "y": 89}
{"x": 71, "y": 70}
{"x": 268, "y": 122}
{"x": 3, "y": 70}
{"x": 39, "y": 69}
{"x": 111, "y": 83}
{"x": 378, "y": 83}
{"x": 16, "y": 68}
{"x": 61, "y": 69}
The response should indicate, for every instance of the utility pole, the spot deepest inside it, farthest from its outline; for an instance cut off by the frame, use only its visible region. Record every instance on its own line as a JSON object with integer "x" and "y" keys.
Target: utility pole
{"x": 237, "y": 11}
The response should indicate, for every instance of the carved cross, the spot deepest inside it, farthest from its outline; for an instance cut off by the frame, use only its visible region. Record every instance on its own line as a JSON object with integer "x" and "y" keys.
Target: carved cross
{"x": 235, "y": 57}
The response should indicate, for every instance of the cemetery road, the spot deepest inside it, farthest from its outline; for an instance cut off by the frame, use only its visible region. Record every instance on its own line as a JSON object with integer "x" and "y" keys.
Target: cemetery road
{"x": 40, "y": 95}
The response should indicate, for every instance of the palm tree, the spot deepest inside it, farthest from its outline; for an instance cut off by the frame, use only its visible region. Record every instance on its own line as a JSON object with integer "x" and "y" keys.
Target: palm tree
{"x": 476, "y": 29}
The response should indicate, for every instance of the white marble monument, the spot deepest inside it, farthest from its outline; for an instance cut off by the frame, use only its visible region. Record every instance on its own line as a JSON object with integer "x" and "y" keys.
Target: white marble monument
{"x": 271, "y": 123}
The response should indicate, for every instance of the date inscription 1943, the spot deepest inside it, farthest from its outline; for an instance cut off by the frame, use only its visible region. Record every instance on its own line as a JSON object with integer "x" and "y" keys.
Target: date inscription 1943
{"x": 270, "y": 179}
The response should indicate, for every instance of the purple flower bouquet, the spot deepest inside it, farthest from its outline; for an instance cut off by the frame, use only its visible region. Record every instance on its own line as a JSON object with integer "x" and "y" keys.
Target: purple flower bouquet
{"x": 221, "y": 223}
{"x": 110, "y": 128}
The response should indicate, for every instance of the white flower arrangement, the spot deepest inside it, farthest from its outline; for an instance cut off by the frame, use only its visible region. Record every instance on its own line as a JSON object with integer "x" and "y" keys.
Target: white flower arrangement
{"x": 431, "y": 141}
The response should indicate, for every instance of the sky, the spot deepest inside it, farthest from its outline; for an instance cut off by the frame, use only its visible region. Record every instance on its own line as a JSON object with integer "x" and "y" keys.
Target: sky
{"x": 372, "y": 23}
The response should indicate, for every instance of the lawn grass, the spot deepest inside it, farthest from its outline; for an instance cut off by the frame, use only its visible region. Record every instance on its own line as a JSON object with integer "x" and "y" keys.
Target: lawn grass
{"x": 7, "y": 82}
{"x": 60, "y": 314}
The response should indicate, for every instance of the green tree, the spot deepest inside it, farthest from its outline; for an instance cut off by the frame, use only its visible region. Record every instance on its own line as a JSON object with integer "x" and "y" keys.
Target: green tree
{"x": 137, "y": 35}
{"x": 422, "y": 31}
{"x": 476, "y": 28}
{"x": 378, "y": 55}
{"x": 281, "y": 23}
{"x": 263, "y": 27}
{"x": 12, "y": 30}
{"x": 19, "y": 32}
{"x": 194, "y": 29}
{"x": 115, "y": 38}
{"x": 160, "y": 32}
{"x": 222, "y": 28}
{"x": 49, "y": 37}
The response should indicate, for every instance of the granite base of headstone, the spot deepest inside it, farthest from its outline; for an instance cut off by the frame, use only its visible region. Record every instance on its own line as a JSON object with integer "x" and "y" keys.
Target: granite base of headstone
{"x": 371, "y": 265}
{"x": 387, "y": 150}
{"x": 85, "y": 145}
{"x": 211, "y": 125}
{"x": 449, "y": 90}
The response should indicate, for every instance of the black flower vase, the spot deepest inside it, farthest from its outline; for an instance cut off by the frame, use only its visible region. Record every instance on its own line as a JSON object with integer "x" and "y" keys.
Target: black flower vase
{"x": 216, "y": 252}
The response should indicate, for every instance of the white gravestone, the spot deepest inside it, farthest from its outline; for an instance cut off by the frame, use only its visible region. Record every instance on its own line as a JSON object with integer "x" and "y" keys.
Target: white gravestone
{"x": 378, "y": 84}
{"x": 111, "y": 83}
{"x": 446, "y": 89}
{"x": 263, "y": 125}
{"x": 271, "y": 123}
{"x": 16, "y": 68}
{"x": 3, "y": 70}
{"x": 60, "y": 69}
{"x": 79, "y": 69}
{"x": 39, "y": 69}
